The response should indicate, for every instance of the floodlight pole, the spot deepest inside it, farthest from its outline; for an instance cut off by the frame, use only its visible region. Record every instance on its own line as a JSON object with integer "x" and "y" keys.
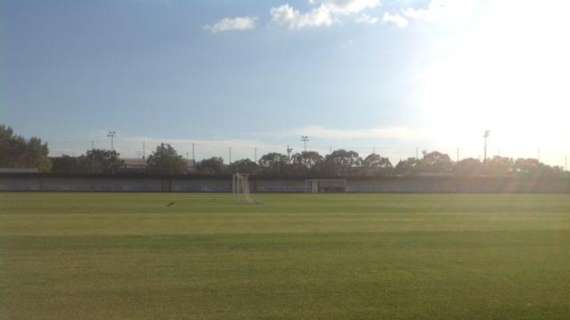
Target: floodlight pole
{"x": 305, "y": 139}
{"x": 486, "y": 137}
{"x": 111, "y": 135}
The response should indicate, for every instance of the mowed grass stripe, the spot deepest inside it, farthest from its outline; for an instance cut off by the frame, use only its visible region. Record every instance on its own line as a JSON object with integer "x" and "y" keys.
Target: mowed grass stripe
{"x": 242, "y": 264}
{"x": 138, "y": 203}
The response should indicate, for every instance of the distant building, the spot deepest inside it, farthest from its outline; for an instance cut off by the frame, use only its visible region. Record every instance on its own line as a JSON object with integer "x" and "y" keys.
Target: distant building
{"x": 138, "y": 165}
{"x": 134, "y": 165}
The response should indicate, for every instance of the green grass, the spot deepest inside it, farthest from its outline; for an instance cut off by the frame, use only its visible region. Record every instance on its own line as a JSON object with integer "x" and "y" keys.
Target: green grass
{"x": 129, "y": 256}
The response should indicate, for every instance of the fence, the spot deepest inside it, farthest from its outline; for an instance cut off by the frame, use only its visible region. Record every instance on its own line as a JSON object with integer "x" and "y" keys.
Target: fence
{"x": 51, "y": 183}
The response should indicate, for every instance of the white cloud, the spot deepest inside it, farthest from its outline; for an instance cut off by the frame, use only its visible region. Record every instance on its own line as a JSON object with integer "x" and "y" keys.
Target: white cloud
{"x": 435, "y": 10}
{"x": 366, "y": 19}
{"x": 389, "y": 133}
{"x": 233, "y": 24}
{"x": 395, "y": 19}
{"x": 347, "y": 7}
{"x": 324, "y": 15}
{"x": 442, "y": 10}
{"x": 292, "y": 18}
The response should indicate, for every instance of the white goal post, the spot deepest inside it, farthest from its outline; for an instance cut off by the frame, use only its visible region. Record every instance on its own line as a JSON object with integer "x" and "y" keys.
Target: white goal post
{"x": 240, "y": 188}
{"x": 325, "y": 185}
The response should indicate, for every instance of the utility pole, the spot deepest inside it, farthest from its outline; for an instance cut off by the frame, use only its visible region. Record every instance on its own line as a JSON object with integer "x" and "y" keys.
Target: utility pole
{"x": 230, "y": 154}
{"x": 305, "y": 139}
{"x": 112, "y": 135}
{"x": 486, "y": 137}
{"x": 193, "y": 154}
{"x": 144, "y": 150}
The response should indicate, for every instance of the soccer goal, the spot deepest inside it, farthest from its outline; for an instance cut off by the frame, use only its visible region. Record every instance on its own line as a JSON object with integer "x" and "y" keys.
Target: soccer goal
{"x": 325, "y": 185}
{"x": 240, "y": 188}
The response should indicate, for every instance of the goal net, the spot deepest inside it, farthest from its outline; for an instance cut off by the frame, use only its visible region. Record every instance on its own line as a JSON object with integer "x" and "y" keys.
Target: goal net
{"x": 240, "y": 188}
{"x": 325, "y": 185}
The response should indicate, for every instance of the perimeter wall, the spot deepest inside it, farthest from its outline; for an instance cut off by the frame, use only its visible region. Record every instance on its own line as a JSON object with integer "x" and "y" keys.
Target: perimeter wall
{"x": 48, "y": 183}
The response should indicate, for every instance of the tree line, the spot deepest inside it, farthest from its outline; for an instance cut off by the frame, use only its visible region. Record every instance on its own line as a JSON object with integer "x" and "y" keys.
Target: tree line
{"x": 17, "y": 152}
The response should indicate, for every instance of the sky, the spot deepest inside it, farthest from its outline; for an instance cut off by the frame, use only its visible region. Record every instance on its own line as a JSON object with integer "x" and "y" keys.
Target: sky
{"x": 384, "y": 76}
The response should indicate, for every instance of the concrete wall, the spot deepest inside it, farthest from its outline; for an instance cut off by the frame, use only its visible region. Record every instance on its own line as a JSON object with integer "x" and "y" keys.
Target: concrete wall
{"x": 459, "y": 185}
{"x": 183, "y": 184}
{"x": 267, "y": 185}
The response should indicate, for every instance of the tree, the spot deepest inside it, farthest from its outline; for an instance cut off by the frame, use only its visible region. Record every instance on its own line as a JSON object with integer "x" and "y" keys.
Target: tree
{"x": 273, "y": 163}
{"x": 166, "y": 161}
{"x": 211, "y": 166}
{"x": 99, "y": 161}
{"x": 407, "y": 167}
{"x": 66, "y": 165}
{"x": 468, "y": 167}
{"x": 244, "y": 166}
{"x": 308, "y": 159}
{"x": 377, "y": 165}
{"x": 340, "y": 162}
{"x": 499, "y": 166}
{"x": 435, "y": 162}
{"x": 17, "y": 152}
{"x": 273, "y": 160}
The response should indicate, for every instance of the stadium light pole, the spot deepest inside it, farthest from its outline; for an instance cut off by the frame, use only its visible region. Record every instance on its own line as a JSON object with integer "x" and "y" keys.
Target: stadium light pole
{"x": 486, "y": 137}
{"x": 111, "y": 135}
{"x": 305, "y": 139}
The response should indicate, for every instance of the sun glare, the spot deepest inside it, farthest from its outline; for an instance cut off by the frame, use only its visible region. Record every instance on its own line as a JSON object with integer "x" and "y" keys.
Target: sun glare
{"x": 506, "y": 75}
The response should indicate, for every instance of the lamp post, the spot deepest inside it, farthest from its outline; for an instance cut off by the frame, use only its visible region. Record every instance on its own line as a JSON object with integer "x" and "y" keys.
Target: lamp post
{"x": 486, "y": 137}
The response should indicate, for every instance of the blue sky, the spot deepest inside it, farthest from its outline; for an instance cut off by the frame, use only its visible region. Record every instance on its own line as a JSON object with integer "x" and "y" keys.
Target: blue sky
{"x": 360, "y": 74}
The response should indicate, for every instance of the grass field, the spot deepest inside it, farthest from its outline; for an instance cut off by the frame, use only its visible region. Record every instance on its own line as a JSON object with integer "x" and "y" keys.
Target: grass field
{"x": 130, "y": 256}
